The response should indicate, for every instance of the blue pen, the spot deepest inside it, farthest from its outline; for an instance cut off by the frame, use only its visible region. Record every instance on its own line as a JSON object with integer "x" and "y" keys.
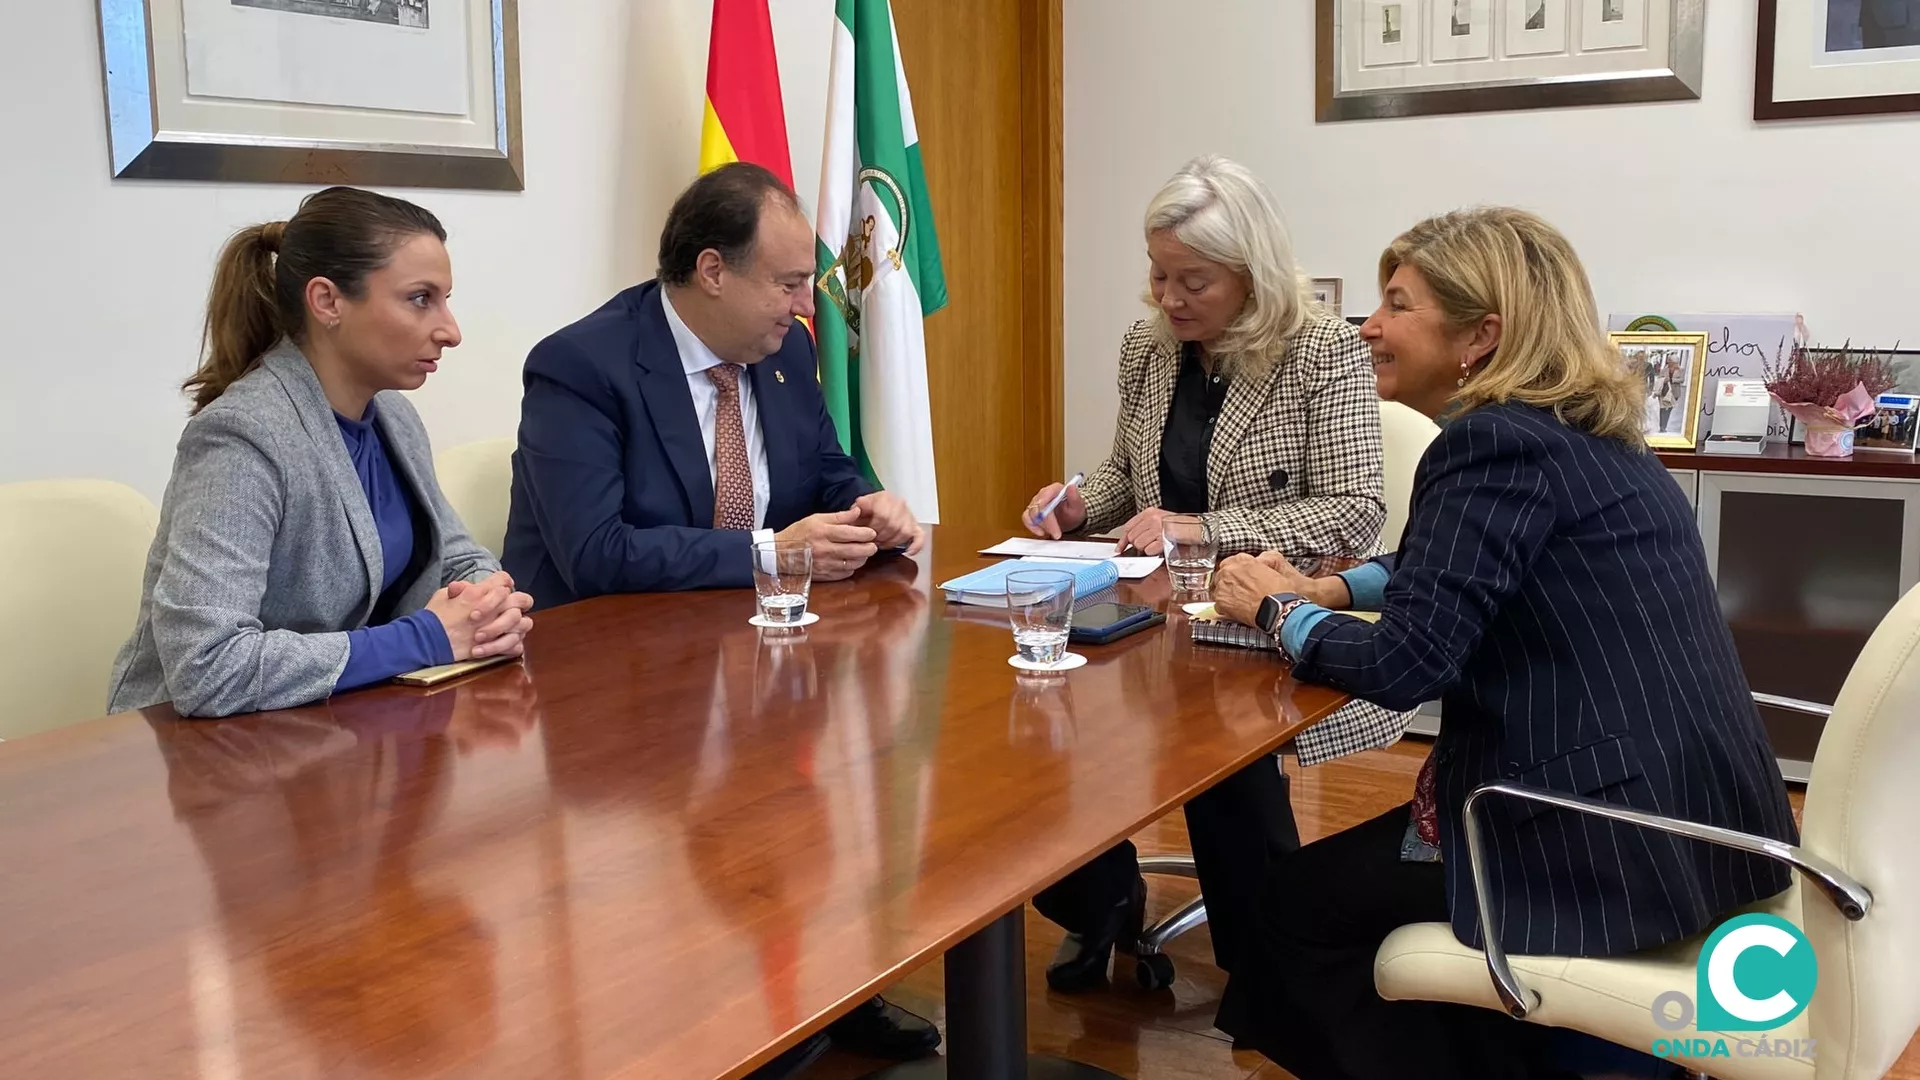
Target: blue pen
{"x": 1072, "y": 482}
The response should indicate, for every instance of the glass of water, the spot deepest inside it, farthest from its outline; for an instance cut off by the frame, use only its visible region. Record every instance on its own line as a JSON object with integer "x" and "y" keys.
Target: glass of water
{"x": 1190, "y": 551}
{"x": 782, "y": 575}
{"x": 1040, "y": 607}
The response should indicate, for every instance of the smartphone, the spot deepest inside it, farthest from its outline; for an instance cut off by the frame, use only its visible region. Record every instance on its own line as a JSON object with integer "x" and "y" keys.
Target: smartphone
{"x": 1098, "y": 624}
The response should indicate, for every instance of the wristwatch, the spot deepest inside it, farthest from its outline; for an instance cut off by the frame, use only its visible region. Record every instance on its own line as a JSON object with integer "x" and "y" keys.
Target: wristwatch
{"x": 1274, "y": 610}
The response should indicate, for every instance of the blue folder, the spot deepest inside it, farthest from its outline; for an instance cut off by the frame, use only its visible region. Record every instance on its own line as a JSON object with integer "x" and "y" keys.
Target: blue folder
{"x": 987, "y": 586}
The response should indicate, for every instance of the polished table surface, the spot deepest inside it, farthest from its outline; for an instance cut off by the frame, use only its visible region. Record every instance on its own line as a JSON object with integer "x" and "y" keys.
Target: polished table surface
{"x": 667, "y": 845}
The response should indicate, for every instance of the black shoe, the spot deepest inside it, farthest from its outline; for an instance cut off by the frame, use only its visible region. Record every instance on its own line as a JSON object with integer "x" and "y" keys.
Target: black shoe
{"x": 882, "y": 1029}
{"x": 790, "y": 1062}
{"x": 1081, "y": 963}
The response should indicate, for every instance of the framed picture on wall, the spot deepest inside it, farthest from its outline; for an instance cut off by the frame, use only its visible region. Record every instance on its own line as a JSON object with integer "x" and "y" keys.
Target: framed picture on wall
{"x": 1385, "y": 58}
{"x": 1326, "y": 293}
{"x": 1836, "y": 58}
{"x": 1671, "y": 368}
{"x": 415, "y": 93}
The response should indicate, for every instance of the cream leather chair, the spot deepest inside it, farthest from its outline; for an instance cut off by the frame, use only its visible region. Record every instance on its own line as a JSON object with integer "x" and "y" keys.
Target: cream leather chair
{"x": 1856, "y": 897}
{"x": 478, "y": 480}
{"x": 1404, "y": 436}
{"x": 75, "y": 551}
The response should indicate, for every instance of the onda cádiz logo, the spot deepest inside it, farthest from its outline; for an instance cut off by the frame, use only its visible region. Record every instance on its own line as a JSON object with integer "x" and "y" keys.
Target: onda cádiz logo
{"x": 1756, "y": 973}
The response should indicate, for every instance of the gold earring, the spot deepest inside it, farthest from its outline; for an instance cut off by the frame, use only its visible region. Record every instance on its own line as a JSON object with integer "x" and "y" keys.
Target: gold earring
{"x": 1466, "y": 369}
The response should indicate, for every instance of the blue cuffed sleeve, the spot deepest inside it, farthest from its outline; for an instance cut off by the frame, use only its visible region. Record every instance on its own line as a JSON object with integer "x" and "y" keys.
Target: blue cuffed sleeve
{"x": 1368, "y": 583}
{"x": 1299, "y": 623}
{"x": 406, "y": 644}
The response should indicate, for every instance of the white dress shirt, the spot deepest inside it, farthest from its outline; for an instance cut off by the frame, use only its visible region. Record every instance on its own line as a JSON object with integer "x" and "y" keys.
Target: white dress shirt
{"x": 696, "y": 358}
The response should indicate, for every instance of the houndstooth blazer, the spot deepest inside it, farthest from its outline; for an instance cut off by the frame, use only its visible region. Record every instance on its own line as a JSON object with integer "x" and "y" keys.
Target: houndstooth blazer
{"x": 1294, "y": 466}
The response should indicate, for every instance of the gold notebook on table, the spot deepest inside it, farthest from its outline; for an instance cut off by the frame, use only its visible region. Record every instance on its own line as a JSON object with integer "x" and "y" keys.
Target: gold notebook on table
{"x": 434, "y": 676}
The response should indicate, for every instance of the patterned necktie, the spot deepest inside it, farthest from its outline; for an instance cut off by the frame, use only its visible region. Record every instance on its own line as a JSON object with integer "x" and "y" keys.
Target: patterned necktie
{"x": 732, "y": 471}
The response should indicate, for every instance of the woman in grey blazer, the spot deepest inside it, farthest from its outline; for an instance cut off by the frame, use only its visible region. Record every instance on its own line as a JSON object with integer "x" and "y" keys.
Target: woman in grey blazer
{"x": 304, "y": 544}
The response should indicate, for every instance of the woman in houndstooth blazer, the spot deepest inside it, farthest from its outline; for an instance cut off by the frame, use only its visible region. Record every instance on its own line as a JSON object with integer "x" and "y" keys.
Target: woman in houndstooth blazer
{"x": 1242, "y": 401}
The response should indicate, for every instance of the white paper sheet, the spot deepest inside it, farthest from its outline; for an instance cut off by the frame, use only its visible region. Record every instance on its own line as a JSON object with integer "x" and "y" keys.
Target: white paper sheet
{"x": 1131, "y": 567}
{"x": 1051, "y": 549}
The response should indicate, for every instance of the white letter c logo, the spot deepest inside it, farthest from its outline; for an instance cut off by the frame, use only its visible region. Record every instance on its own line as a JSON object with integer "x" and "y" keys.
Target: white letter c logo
{"x": 1727, "y": 952}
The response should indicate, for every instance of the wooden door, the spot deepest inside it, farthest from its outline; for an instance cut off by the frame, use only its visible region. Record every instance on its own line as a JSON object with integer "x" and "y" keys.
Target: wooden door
{"x": 985, "y": 76}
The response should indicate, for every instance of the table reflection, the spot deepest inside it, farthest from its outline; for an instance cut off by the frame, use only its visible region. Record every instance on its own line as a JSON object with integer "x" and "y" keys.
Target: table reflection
{"x": 311, "y": 825}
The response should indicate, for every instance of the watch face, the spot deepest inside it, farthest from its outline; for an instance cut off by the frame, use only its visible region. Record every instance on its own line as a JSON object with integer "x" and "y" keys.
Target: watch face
{"x": 1268, "y": 615}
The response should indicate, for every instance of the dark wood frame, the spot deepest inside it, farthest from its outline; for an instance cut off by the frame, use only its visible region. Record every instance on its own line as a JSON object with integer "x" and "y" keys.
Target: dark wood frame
{"x": 1765, "y": 108}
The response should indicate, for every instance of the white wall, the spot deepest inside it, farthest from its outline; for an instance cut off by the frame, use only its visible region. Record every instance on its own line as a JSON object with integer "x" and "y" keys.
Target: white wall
{"x": 103, "y": 282}
{"x": 1821, "y": 218}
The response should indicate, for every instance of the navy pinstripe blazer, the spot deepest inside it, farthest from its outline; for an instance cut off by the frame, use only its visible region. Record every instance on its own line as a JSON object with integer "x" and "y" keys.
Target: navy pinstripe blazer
{"x": 1552, "y": 590}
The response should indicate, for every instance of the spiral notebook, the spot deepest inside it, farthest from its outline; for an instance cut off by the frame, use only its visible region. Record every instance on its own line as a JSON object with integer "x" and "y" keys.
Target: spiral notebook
{"x": 1209, "y": 627}
{"x": 987, "y": 586}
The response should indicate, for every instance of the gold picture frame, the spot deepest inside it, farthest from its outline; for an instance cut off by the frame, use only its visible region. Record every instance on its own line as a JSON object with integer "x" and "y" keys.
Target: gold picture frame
{"x": 1674, "y": 370}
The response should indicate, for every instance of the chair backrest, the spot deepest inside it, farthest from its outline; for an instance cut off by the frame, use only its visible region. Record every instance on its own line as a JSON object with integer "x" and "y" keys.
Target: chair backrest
{"x": 75, "y": 552}
{"x": 478, "y": 480}
{"x": 1404, "y": 435}
{"x": 1862, "y": 813}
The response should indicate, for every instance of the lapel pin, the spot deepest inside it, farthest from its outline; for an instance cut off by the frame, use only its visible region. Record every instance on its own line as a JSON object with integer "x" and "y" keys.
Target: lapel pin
{"x": 779, "y": 376}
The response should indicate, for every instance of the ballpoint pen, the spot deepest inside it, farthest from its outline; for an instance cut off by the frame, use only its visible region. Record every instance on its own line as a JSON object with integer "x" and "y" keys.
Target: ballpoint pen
{"x": 1059, "y": 497}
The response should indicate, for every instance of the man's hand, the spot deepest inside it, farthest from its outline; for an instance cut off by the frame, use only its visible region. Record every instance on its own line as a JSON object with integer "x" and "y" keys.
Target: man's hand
{"x": 891, "y": 520}
{"x": 840, "y": 544}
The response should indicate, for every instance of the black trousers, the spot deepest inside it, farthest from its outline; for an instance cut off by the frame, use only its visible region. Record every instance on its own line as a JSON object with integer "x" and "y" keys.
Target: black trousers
{"x": 1306, "y": 998}
{"x": 1237, "y": 828}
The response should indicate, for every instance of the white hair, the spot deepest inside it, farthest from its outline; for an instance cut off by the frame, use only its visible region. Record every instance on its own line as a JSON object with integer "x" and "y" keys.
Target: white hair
{"x": 1225, "y": 214}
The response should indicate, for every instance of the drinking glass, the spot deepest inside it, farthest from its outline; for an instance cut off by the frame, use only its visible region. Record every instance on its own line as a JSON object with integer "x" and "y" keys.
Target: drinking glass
{"x": 1040, "y": 608}
{"x": 782, "y": 576}
{"x": 1190, "y": 551}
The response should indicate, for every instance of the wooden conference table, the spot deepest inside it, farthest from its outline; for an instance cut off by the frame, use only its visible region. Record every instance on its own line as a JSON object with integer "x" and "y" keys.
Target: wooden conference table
{"x": 668, "y": 845}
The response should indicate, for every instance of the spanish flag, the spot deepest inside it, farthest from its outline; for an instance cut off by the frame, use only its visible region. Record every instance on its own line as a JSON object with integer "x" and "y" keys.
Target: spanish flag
{"x": 744, "y": 119}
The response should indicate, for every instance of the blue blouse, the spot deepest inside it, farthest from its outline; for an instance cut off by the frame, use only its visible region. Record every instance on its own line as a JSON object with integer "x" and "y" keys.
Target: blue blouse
{"x": 412, "y": 641}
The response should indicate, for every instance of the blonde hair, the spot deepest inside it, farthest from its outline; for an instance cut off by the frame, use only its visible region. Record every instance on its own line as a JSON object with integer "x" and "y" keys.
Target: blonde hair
{"x": 1552, "y": 353}
{"x": 1224, "y": 213}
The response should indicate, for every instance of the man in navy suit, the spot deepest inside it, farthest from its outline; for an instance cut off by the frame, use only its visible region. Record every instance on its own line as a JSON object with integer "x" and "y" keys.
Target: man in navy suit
{"x": 665, "y": 433}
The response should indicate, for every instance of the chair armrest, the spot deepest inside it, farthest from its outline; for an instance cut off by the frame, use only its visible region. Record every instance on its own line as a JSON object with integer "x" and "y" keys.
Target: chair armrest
{"x": 1849, "y": 896}
{"x": 1809, "y": 708}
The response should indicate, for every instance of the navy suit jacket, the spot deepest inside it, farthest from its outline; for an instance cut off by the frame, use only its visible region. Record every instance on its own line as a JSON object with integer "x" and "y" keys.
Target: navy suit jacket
{"x": 1552, "y": 591}
{"x": 612, "y": 490}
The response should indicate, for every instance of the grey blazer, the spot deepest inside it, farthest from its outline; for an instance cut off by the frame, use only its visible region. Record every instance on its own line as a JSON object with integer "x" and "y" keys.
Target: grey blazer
{"x": 267, "y": 552}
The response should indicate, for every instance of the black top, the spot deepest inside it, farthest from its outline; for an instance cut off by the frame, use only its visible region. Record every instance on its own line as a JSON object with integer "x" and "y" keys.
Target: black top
{"x": 1197, "y": 397}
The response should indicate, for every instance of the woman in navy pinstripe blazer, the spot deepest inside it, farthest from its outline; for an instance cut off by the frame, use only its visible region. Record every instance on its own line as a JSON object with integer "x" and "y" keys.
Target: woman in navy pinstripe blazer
{"x": 1552, "y": 591}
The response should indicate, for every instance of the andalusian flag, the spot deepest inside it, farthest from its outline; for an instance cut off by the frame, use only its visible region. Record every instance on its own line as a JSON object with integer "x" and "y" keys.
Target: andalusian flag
{"x": 744, "y": 120}
{"x": 879, "y": 261}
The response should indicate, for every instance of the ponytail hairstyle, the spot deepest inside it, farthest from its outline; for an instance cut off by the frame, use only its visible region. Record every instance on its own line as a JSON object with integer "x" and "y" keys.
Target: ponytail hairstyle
{"x": 259, "y": 291}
